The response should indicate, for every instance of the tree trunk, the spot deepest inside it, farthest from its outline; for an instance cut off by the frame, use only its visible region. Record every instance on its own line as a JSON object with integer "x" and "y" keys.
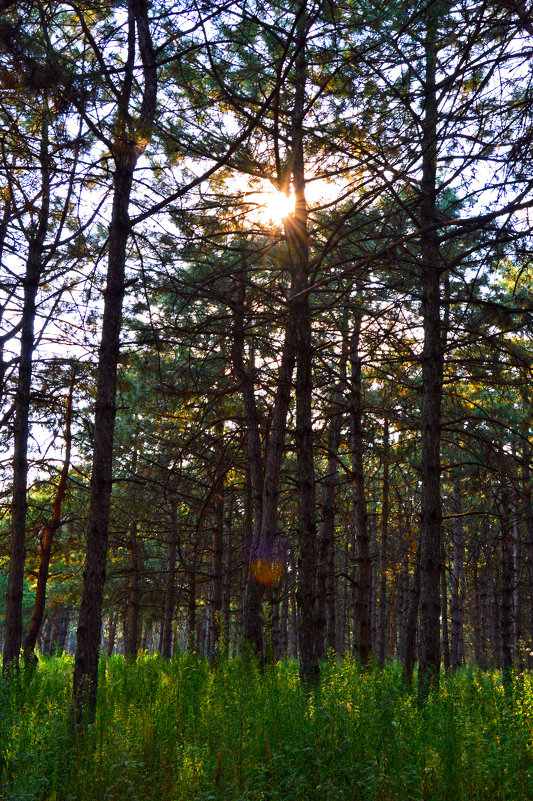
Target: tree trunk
{"x": 113, "y": 620}
{"x": 46, "y": 537}
{"x": 170, "y": 586}
{"x": 362, "y": 630}
{"x": 444, "y": 612}
{"x": 59, "y": 630}
{"x": 284, "y": 619}
{"x": 516, "y": 616}
{"x": 228, "y": 568}
{"x": 19, "y": 505}
{"x": 218, "y": 542}
{"x": 127, "y": 148}
{"x": 131, "y": 632}
{"x": 384, "y": 537}
{"x": 507, "y": 579}
{"x": 432, "y": 373}
{"x": 298, "y": 247}
{"x": 325, "y": 592}
{"x": 411, "y": 627}
{"x": 478, "y": 615}
{"x": 528, "y": 515}
{"x": 491, "y": 605}
{"x": 458, "y": 582}
{"x": 264, "y": 482}
{"x": 191, "y": 611}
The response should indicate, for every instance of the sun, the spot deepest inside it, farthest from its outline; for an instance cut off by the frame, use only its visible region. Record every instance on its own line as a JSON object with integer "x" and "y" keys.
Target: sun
{"x": 278, "y": 205}
{"x": 269, "y": 206}
{"x": 262, "y": 204}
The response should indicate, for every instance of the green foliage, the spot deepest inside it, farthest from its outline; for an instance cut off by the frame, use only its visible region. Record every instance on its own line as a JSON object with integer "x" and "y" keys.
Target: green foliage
{"x": 180, "y": 730}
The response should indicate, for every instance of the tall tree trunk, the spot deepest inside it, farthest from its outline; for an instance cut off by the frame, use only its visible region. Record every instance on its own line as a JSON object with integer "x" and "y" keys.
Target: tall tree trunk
{"x": 60, "y": 630}
{"x": 298, "y": 247}
{"x": 444, "y": 611}
{"x": 325, "y": 596}
{"x": 47, "y": 534}
{"x": 4, "y": 225}
{"x": 362, "y": 603}
{"x": 478, "y": 621}
{"x": 228, "y": 567}
{"x": 458, "y": 582}
{"x": 264, "y": 480}
{"x": 191, "y": 611}
{"x": 131, "y": 632}
{"x": 284, "y": 618}
{"x": 218, "y": 541}
{"x": 491, "y": 605}
{"x": 19, "y": 505}
{"x": 113, "y": 620}
{"x": 432, "y": 374}
{"x": 127, "y": 148}
{"x": 516, "y": 616}
{"x": 528, "y": 509}
{"x": 331, "y": 599}
{"x": 374, "y": 570}
{"x": 170, "y": 585}
{"x": 507, "y": 578}
{"x": 384, "y": 538}
{"x": 411, "y": 627}
{"x": 403, "y": 604}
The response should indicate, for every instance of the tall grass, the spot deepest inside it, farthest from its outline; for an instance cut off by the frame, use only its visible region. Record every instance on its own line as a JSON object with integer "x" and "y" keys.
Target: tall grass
{"x": 180, "y": 730}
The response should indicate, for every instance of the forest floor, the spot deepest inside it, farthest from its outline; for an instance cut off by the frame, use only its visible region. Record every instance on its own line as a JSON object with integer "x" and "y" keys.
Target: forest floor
{"x": 182, "y": 731}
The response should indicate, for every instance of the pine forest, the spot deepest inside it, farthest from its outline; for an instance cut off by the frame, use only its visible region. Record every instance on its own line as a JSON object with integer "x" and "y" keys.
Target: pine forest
{"x": 266, "y": 400}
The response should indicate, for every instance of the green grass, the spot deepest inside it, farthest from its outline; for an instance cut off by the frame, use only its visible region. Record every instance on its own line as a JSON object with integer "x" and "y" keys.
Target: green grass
{"x": 182, "y": 731}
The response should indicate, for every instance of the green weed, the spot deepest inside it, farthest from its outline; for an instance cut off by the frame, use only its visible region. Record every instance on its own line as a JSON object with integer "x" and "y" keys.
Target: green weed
{"x": 183, "y": 731}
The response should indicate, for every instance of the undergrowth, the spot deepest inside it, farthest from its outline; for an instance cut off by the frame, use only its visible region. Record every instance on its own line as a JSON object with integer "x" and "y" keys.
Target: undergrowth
{"x": 181, "y": 731}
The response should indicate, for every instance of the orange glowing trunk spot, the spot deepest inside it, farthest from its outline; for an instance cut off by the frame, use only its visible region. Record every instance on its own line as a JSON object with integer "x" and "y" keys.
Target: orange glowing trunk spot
{"x": 266, "y": 571}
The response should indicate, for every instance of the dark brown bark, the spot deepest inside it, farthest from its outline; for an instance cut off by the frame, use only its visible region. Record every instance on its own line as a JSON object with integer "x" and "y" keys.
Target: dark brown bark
{"x": 458, "y": 581}
{"x": 284, "y": 618}
{"x": 251, "y": 613}
{"x": 528, "y": 522}
{"x": 403, "y": 602}
{"x": 384, "y": 537}
{"x": 491, "y": 602}
{"x": 191, "y": 611}
{"x": 127, "y": 149}
{"x": 516, "y": 612}
{"x": 478, "y": 614}
{"x": 4, "y": 225}
{"x": 444, "y": 611}
{"x": 228, "y": 569}
{"x": 432, "y": 373}
{"x": 527, "y": 504}
{"x": 325, "y": 587}
{"x": 344, "y": 602}
{"x": 331, "y": 600}
{"x": 506, "y": 631}
{"x": 218, "y": 543}
{"x": 170, "y": 586}
{"x": 374, "y": 558}
{"x": 112, "y": 633}
{"x": 131, "y": 634}
{"x": 46, "y": 536}
{"x": 17, "y": 546}
{"x": 411, "y": 624}
{"x": 60, "y": 630}
{"x": 362, "y": 630}
{"x": 264, "y": 480}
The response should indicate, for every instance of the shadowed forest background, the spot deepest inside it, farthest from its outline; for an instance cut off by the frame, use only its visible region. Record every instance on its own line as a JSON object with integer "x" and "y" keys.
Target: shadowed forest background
{"x": 265, "y": 339}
